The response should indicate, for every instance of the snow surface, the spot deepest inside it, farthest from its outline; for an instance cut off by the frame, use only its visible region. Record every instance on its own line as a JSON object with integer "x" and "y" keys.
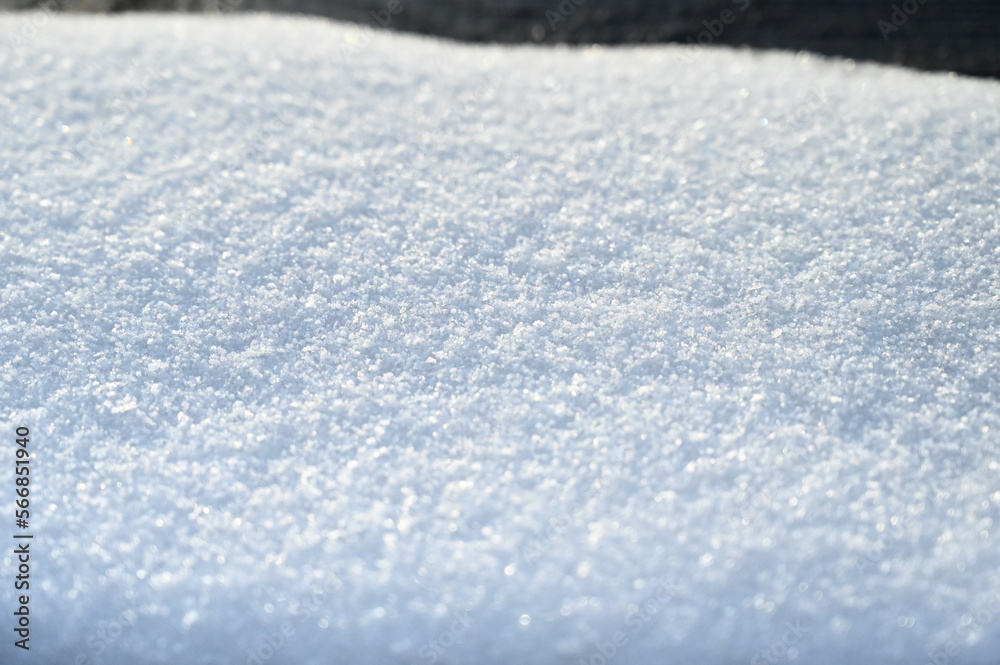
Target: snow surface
{"x": 425, "y": 352}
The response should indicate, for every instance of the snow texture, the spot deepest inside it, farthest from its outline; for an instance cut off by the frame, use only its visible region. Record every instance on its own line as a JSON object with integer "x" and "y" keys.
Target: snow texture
{"x": 341, "y": 347}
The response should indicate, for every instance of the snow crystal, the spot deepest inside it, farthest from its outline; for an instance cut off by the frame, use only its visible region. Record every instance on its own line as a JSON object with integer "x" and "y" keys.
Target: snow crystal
{"x": 341, "y": 348}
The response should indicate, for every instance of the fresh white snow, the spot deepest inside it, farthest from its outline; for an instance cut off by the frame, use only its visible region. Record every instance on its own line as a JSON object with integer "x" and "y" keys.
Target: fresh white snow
{"x": 340, "y": 348}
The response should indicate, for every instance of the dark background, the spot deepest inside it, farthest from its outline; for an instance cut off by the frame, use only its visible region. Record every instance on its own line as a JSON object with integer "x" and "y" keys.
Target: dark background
{"x": 953, "y": 35}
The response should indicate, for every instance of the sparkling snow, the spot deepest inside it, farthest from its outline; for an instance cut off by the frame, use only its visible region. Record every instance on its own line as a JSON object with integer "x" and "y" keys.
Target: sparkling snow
{"x": 340, "y": 348}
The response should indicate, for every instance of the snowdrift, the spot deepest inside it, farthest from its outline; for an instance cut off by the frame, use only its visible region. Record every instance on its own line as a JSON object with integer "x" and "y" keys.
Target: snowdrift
{"x": 349, "y": 348}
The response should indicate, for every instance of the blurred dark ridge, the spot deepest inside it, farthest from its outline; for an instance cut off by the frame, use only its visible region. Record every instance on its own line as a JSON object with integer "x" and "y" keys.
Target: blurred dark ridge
{"x": 952, "y": 35}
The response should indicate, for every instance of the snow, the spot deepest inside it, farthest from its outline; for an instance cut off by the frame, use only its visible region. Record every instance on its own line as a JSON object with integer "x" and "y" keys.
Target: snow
{"x": 340, "y": 348}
